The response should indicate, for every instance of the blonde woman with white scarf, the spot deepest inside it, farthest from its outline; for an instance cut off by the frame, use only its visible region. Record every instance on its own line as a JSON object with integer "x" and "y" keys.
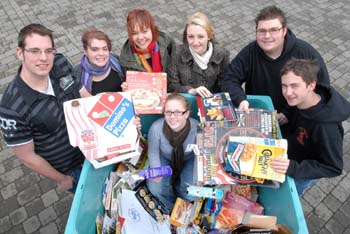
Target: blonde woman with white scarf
{"x": 199, "y": 63}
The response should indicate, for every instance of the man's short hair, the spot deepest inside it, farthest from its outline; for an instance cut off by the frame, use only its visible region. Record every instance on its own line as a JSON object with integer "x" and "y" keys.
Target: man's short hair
{"x": 34, "y": 29}
{"x": 269, "y": 13}
{"x": 306, "y": 68}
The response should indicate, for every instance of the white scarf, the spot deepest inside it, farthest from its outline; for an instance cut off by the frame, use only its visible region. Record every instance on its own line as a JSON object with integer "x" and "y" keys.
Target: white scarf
{"x": 203, "y": 60}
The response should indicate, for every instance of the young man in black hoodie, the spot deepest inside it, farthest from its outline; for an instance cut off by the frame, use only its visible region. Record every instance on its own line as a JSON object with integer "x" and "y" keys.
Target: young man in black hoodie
{"x": 315, "y": 133}
{"x": 258, "y": 64}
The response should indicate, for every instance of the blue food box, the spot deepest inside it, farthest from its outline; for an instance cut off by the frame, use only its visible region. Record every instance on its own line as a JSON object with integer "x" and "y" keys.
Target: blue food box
{"x": 87, "y": 203}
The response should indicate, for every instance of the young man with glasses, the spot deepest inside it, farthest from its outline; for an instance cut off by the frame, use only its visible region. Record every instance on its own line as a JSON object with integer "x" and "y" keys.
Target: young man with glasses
{"x": 31, "y": 109}
{"x": 259, "y": 63}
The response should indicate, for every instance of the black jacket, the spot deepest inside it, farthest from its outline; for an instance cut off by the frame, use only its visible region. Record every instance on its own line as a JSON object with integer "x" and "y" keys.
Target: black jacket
{"x": 261, "y": 73}
{"x": 315, "y": 137}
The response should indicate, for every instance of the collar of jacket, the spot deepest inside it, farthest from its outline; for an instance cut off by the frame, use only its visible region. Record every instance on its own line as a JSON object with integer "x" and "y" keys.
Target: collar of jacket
{"x": 186, "y": 56}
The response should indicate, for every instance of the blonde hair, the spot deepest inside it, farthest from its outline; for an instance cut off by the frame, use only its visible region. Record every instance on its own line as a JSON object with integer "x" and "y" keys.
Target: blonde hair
{"x": 202, "y": 20}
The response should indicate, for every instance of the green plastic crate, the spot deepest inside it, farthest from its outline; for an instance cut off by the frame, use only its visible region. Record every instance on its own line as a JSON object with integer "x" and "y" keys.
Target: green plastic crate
{"x": 283, "y": 202}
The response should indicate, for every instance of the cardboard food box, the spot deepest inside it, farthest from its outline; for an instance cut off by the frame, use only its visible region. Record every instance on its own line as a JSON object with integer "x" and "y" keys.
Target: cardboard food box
{"x": 251, "y": 156}
{"x": 181, "y": 213}
{"x": 212, "y": 138}
{"x": 148, "y": 91}
{"x": 219, "y": 107}
{"x": 102, "y": 127}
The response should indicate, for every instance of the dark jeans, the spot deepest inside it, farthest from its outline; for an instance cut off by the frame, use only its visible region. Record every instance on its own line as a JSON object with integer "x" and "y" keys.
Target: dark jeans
{"x": 75, "y": 173}
{"x": 303, "y": 184}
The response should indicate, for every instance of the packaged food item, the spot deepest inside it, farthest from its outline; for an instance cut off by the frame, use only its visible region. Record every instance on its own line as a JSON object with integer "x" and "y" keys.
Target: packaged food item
{"x": 109, "y": 225}
{"x": 148, "y": 90}
{"x": 99, "y": 223}
{"x": 155, "y": 172}
{"x": 251, "y": 156}
{"x": 237, "y": 201}
{"x": 181, "y": 213}
{"x": 151, "y": 204}
{"x": 206, "y": 192}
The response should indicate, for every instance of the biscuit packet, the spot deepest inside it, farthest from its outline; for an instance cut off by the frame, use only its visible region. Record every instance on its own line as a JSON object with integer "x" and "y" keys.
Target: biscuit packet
{"x": 151, "y": 204}
{"x": 251, "y": 156}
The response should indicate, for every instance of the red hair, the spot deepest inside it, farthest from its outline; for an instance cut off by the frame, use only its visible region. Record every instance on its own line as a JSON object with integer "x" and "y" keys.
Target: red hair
{"x": 143, "y": 19}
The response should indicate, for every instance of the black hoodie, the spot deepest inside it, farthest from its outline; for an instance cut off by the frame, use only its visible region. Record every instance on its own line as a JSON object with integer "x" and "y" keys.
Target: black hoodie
{"x": 315, "y": 137}
{"x": 262, "y": 73}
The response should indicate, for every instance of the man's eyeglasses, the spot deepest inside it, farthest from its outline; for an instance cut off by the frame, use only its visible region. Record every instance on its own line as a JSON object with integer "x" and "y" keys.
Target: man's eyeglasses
{"x": 38, "y": 52}
{"x": 176, "y": 113}
{"x": 271, "y": 31}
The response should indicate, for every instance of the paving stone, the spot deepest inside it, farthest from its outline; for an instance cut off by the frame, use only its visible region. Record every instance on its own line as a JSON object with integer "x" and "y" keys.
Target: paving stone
{"x": 34, "y": 207}
{"x": 63, "y": 205}
{"x": 61, "y": 222}
{"x": 17, "y": 229}
{"x": 49, "y": 198}
{"x": 315, "y": 223}
{"x": 325, "y": 185}
{"x": 47, "y": 215}
{"x": 7, "y": 206}
{"x": 324, "y": 231}
{"x": 50, "y": 228}
{"x": 323, "y": 211}
{"x": 46, "y": 185}
{"x": 314, "y": 196}
{"x": 6, "y": 154}
{"x": 31, "y": 225}
{"x": 345, "y": 208}
{"x": 28, "y": 194}
{"x": 5, "y": 224}
{"x": 18, "y": 216}
{"x": 11, "y": 176}
{"x": 62, "y": 193}
{"x": 345, "y": 184}
{"x": 11, "y": 163}
{"x": 8, "y": 191}
{"x": 332, "y": 202}
{"x": 342, "y": 218}
{"x": 2, "y": 168}
{"x": 307, "y": 208}
{"x": 334, "y": 226}
{"x": 340, "y": 193}
{"x": 27, "y": 181}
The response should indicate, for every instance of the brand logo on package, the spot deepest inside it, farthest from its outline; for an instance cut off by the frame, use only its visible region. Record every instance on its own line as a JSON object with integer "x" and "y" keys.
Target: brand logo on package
{"x": 113, "y": 113}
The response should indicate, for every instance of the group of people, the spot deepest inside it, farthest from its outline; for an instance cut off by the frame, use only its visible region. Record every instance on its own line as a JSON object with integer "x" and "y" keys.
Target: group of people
{"x": 276, "y": 63}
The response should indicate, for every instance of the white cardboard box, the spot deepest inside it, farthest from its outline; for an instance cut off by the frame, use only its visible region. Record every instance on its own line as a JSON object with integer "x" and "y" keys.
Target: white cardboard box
{"x": 102, "y": 127}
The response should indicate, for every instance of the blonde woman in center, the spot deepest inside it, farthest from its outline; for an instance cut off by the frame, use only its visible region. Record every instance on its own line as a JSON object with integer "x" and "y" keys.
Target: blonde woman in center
{"x": 199, "y": 62}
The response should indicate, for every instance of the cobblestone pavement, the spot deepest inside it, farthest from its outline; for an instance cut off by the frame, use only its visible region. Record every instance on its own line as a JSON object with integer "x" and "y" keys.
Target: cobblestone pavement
{"x": 30, "y": 203}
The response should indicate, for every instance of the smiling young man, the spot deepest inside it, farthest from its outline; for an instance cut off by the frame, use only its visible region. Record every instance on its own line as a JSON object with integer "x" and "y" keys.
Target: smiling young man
{"x": 31, "y": 109}
{"x": 258, "y": 65}
{"x": 315, "y": 133}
